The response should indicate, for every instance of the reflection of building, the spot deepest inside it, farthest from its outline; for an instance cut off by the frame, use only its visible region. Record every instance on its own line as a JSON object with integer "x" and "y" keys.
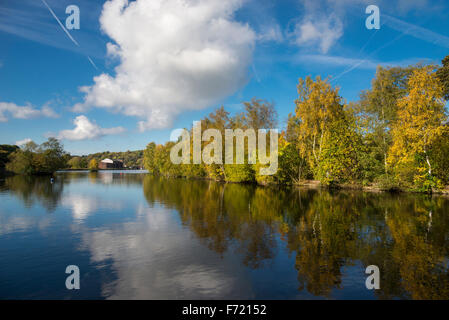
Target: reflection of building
{"x": 111, "y": 164}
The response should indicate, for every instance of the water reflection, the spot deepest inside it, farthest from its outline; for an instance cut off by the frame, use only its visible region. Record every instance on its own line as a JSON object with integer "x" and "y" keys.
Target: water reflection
{"x": 185, "y": 239}
{"x": 32, "y": 189}
{"x": 405, "y": 235}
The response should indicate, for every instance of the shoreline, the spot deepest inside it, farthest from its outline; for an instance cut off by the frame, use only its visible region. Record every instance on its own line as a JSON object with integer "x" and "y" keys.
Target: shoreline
{"x": 315, "y": 184}
{"x": 308, "y": 184}
{"x": 370, "y": 188}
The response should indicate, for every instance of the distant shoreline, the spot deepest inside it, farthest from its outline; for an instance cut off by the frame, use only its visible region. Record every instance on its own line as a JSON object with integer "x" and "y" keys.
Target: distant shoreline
{"x": 87, "y": 170}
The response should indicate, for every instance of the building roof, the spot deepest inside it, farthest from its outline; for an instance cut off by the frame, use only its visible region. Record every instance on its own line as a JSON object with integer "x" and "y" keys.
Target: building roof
{"x": 107, "y": 160}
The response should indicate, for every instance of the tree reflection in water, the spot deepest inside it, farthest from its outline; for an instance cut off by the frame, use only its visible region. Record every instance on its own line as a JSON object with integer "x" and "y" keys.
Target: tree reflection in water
{"x": 406, "y": 235}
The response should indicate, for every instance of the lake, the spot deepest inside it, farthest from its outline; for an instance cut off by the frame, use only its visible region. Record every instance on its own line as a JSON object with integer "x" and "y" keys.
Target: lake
{"x": 136, "y": 236}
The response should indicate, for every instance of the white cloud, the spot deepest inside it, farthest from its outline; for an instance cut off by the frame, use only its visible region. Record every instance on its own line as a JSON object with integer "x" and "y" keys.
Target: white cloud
{"x": 13, "y": 222}
{"x": 23, "y": 142}
{"x": 270, "y": 33}
{"x": 49, "y": 112}
{"x": 319, "y": 31}
{"x": 85, "y": 129}
{"x": 156, "y": 238}
{"x": 23, "y": 112}
{"x": 83, "y": 205}
{"x": 321, "y": 24}
{"x": 174, "y": 56}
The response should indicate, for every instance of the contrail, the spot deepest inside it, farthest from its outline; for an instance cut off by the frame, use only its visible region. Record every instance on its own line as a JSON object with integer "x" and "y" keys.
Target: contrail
{"x": 369, "y": 40}
{"x": 255, "y": 73}
{"x": 360, "y": 62}
{"x": 416, "y": 31}
{"x": 90, "y": 60}
{"x": 62, "y": 26}
{"x": 67, "y": 32}
{"x": 406, "y": 29}
{"x": 354, "y": 66}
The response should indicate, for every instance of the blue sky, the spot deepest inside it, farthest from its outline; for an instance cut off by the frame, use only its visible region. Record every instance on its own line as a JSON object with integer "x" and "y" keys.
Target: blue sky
{"x": 168, "y": 65}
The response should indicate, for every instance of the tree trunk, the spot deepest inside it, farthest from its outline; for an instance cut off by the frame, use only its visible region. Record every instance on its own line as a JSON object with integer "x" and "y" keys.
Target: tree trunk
{"x": 428, "y": 163}
{"x": 300, "y": 169}
{"x": 224, "y": 172}
{"x": 313, "y": 148}
{"x": 383, "y": 137}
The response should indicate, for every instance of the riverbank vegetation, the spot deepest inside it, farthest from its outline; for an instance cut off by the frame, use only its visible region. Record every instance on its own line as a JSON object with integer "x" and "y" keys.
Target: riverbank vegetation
{"x": 395, "y": 137}
{"x": 33, "y": 159}
{"x": 5, "y": 152}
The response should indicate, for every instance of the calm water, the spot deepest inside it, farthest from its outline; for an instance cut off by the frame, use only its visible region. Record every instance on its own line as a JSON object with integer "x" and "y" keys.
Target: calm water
{"x": 135, "y": 236}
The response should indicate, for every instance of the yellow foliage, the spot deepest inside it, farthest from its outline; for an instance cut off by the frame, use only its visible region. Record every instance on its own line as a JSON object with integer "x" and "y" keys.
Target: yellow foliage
{"x": 420, "y": 123}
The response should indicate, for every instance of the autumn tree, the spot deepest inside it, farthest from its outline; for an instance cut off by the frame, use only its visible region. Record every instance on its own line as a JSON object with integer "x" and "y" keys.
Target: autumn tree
{"x": 292, "y": 151}
{"x": 219, "y": 119}
{"x": 93, "y": 165}
{"x": 149, "y": 158}
{"x": 420, "y": 124}
{"x": 259, "y": 114}
{"x": 316, "y": 108}
{"x": 326, "y": 137}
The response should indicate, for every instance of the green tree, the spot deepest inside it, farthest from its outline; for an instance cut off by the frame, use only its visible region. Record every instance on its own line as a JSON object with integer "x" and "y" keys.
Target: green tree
{"x": 21, "y": 162}
{"x": 443, "y": 75}
{"x": 378, "y": 111}
{"x": 5, "y": 152}
{"x": 54, "y": 153}
{"x": 33, "y": 159}
{"x": 438, "y": 154}
{"x": 342, "y": 147}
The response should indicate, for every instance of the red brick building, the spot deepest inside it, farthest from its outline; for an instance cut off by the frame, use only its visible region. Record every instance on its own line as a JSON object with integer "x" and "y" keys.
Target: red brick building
{"x": 110, "y": 164}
